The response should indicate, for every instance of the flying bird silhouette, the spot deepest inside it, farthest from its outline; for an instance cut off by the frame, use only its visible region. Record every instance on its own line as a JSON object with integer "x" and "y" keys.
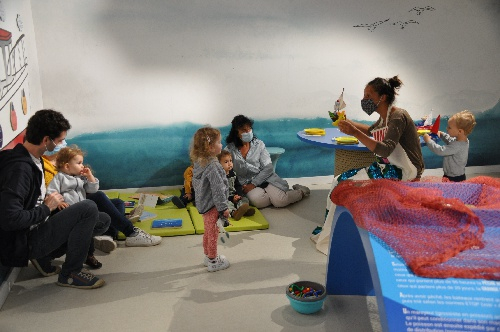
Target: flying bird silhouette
{"x": 371, "y": 27}
{"x": 420, "y": 10}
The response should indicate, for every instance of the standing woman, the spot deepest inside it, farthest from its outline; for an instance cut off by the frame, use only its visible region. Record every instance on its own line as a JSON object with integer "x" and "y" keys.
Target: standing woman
{"x": 393, "y": 138}
{"x": 253, "y": 167}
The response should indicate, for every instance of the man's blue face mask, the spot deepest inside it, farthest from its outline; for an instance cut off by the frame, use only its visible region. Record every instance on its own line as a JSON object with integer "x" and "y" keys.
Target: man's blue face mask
{"x": 58, "y": 147}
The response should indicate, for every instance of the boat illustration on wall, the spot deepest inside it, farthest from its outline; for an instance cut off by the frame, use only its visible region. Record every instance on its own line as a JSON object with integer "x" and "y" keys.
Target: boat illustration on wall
{"x": 13, "y": 85}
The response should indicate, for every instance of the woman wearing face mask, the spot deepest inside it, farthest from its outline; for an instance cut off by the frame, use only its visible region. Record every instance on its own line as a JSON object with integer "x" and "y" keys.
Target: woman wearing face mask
{"x": 393, "y": 138}
{"x": 393, "y": 135}
{"x": 253, "y": 167}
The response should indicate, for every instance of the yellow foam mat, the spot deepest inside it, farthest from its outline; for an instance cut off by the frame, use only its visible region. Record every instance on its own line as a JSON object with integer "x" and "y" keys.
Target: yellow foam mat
{"x": 255, "y": 222}
{"x": 165, "y": 211}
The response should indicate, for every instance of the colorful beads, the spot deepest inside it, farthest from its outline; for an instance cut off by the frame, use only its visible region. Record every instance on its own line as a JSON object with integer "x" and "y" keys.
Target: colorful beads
{"x": 298, "y": 291}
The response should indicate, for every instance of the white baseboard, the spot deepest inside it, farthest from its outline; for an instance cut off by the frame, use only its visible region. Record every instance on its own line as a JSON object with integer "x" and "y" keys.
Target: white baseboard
{"x": 7, "y": 284}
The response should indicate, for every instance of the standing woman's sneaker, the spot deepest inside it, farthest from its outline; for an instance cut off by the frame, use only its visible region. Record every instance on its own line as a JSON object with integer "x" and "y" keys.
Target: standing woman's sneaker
{"x": 83, "y": 279}
{"x": 141, "y": 239}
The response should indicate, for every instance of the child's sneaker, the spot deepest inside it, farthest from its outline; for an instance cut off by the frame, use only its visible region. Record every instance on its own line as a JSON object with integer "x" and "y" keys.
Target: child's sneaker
{"x": 250, "y": 212}
{"x": 240, "y": 212}
{"x": 104, "y": 243}
{"x": 83, "y": 279}
{"x": 142, "y": 239}
{"x": 206, "y": 260}
{"x": 305, "y": 191}
{"x": 218, "y": 263}
{"x": 93, "y": 262}
{"x": 177, "y": 202}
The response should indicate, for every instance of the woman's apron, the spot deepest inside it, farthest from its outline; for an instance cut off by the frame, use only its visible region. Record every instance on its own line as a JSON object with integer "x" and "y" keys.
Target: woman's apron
{"x": 398, "y": 158}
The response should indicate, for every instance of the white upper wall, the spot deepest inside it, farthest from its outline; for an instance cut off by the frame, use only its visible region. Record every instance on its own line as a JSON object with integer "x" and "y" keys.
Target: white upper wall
{"x": 115, "y": 64}
{"x": 19, "y": 72}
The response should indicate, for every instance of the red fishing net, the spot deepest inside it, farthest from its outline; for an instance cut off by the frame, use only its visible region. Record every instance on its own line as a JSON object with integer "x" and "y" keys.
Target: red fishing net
{"x": 440, "y": 229}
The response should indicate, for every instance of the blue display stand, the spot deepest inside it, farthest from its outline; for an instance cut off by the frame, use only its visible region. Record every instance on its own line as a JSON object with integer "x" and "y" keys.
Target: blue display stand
{"x": 359, "y": 263}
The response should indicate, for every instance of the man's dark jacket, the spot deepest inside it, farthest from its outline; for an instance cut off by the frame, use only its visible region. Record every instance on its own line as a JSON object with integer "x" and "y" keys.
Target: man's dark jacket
{"x": 20, "y": 182}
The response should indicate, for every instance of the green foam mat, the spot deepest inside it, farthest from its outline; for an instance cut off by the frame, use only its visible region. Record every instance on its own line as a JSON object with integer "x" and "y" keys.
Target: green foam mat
{"x": 164, "y": 211}
{"x": 112, "y": 194}
{"x": 255, "y": 222}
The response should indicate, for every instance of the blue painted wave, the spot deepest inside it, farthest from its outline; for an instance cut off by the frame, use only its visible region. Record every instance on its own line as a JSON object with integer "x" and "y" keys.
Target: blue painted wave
{"x": 151, "y": 157}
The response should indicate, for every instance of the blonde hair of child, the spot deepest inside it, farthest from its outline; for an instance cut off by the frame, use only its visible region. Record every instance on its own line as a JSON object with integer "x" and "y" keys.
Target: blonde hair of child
{"x": 66, "y": 154}
{"x": 465, "y": 120}
{"x": 222, "y": 154}
{"x": 203, "y": 140}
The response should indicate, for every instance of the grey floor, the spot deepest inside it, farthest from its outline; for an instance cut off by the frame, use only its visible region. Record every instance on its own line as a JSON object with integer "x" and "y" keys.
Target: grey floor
{"x": 166, "y": 288}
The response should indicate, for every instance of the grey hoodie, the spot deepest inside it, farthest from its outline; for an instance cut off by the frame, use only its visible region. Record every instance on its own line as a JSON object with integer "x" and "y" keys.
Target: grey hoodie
{"x": 211, "y": 187}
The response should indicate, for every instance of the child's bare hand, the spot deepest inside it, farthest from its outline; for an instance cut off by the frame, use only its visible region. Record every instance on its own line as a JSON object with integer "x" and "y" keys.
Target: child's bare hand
{"x": 226, "y": 213}
{"x": 426, "y": 137}
{"x": 236, "y": 198}
{"x": 87, "y": 172}
{"x": 62, "y": 205}
{"x": 189, "y": 196}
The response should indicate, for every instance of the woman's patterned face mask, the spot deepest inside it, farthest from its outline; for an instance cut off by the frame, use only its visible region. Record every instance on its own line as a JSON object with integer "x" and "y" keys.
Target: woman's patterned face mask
{"x": 368, "y": 106}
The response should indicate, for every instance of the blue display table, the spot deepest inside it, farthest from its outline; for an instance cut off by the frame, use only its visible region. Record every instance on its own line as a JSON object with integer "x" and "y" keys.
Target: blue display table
{"x": 359, "y": 263}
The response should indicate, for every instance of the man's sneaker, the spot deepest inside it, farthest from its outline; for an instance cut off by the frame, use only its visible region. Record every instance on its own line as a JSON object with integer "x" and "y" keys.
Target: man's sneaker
{"x": 44, "y": 266}
{"x": 83, "y": 279}
{"x": 218, "y": 263}
{"x": 206, "y": 260}
{"x": 250, "y": 212}
{"x": 240, "y": 212}
{"x": 177, "y": 202}
{"x": 306, "y": 191}
{"x": 93, "y": 262}
{"x": 142, "y": 239}
{"x": 104, "y": 243}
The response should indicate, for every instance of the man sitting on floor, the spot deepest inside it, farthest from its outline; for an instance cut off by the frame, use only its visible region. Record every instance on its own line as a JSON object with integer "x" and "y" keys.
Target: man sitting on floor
{"x": 27, "y": 229}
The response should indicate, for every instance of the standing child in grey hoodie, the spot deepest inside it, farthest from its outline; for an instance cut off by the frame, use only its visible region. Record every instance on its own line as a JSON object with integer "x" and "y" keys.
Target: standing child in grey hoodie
{"x": 211, "y": 188}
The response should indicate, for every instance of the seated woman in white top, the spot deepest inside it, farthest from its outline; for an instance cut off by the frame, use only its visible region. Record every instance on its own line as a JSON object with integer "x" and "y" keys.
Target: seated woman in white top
{"x": 253, "y": 167}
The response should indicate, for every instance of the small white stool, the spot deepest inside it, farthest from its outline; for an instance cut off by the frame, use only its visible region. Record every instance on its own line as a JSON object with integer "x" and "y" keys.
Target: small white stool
{"x": 275, "y": 153}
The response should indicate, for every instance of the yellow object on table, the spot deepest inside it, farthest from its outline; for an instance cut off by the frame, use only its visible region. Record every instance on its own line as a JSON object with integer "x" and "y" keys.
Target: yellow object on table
{"x": 423, "y": 131}
{"x": 346, "y": 140}
{"x": 315, "y": 131}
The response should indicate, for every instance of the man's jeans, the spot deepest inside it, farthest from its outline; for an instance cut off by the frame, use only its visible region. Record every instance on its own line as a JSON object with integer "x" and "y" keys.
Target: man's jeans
{"x": 72, "y": 228}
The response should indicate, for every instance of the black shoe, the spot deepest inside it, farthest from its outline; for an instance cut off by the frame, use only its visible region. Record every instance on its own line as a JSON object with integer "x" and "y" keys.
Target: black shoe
{"x": 44, "y": 266}
{"x": 93, "y": 262}
{"x": 177, "y": 202}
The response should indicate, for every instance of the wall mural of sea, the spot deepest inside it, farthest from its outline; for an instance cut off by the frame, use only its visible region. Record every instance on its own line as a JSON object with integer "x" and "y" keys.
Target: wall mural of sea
{"x": 151, "y": 157}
